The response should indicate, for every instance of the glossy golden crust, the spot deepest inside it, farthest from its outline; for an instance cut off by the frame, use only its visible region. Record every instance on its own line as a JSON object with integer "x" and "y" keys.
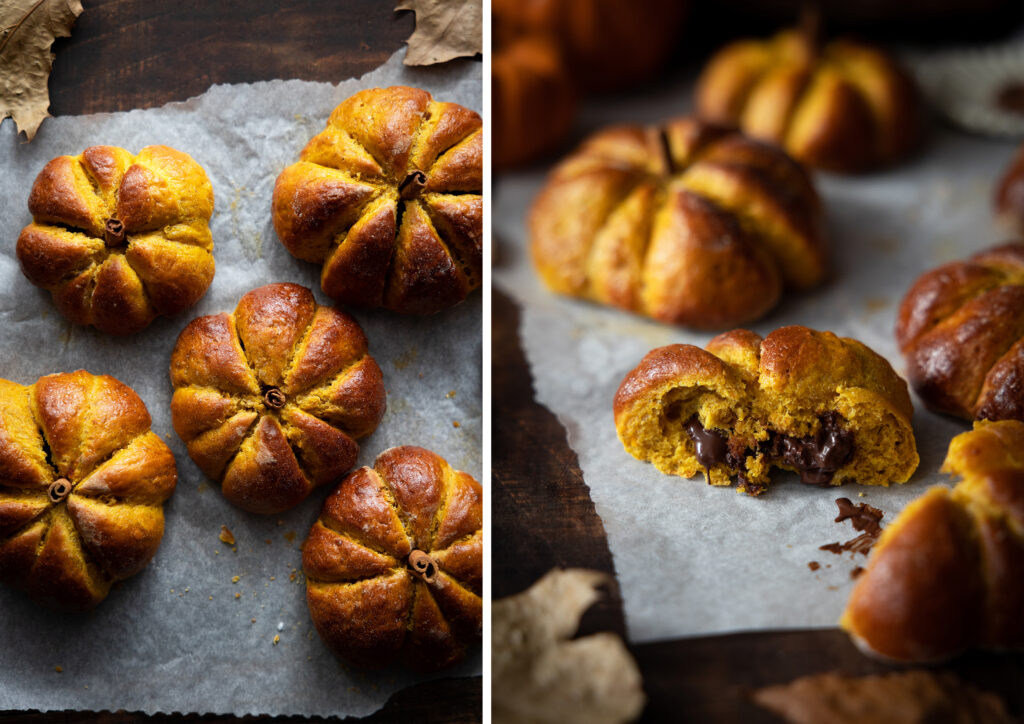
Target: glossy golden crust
{"x": 842, "y": 107}
{"x": 750, "y": 389}
{"x": 388, "y": 199}
{"x": 65, "y": 548}
{"x": 271, "y": 399}
{"x": 162, "y": 263}
{"x": 689, "y": 224}
{"x": 948, "y": 574}
{"x": 527, "y": 73}
{"x": 961, "y": 329}
{"x": 367, "y": 604}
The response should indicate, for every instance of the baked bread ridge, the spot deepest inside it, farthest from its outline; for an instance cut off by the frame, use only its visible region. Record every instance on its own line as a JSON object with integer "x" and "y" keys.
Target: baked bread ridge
{"x": 393, "y": 565}
{"x": 270, "y": 399}
{"x": 388, "y": 198}
{"x": 948, "y": 574}
{"x": 83, "y": 480}
{"x": 961, "y": 330}
{"x": 841, "y": 106}
{"x": 118, "y": 238}
{"x": 798, "y": 399}
{"x": 690, "y": 223}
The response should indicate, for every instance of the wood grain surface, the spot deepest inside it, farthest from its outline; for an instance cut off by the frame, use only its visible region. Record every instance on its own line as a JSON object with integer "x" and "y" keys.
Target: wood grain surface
{"x": 125, "y": 54}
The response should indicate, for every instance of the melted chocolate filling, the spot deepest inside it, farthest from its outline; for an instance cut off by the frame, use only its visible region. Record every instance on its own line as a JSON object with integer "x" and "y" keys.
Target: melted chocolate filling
{"x": 712, "y": 446}
{"x": 816, "y": 457}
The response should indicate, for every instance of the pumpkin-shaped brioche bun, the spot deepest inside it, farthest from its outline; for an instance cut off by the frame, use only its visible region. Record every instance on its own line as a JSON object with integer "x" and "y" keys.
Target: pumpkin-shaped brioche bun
{"x": 271, "y": 399}
{"x": 118, "y": 238}
{"x": 394, "y": 564}
{"x": 388, "y": 200}
{"x": 688, "y": 223}
{"x": 82, "y": 485}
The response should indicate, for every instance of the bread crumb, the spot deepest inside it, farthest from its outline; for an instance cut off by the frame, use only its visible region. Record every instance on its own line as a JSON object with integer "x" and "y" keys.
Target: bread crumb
{"x": 280, "y": 523}
{"x": 273, "y": 578}
{"x": 860, "y": 495}
{"x": 211, "y": 598}
{"x": 58, "y": 669}
{"x": 290, "y": 536}
{"x": 455, "y": 423}
{"x": 237, "y": 596}
{"x": 235, "y": 579}
{"x": 277, "y": 638}
{"x": 226, "y": 536}
{"x": 172, "y": 590}
{"x": 292, "y": 576}
{"x": 268, "y": 541}
{"x": 252, "y": 620}
{"x": 451, "y": 393}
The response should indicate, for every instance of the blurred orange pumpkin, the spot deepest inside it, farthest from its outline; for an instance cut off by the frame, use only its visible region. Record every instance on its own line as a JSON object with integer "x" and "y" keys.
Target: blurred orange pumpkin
{"x": 533, "y": 98}
{"x": 607, "y": 44}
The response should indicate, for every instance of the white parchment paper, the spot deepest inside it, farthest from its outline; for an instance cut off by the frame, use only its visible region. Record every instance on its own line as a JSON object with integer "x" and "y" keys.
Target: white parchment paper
{"x": 176, "y": 638}
{"x": 692, "y": 559}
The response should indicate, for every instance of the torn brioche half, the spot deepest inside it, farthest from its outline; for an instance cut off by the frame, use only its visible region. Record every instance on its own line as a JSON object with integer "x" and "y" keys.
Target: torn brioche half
{"x": 826, "y": 407}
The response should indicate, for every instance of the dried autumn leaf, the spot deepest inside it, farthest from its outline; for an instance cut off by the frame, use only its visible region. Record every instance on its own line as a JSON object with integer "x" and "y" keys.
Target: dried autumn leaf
{"x": 445, "y": 29}
{"x": 542, "y": 677}
{"x": 27, "y": 30}
{"x": 905, "y": 697}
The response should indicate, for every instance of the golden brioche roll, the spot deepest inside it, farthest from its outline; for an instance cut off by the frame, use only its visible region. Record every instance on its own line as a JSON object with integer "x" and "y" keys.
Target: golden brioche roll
{"x": 948, "y": 574}
{"x": 689, "y": 224}
{"x": 388, "y": 200}
{"x": 394, "y": 564}
{"x": 118, "y": 238}
{"x": 82, "y": 485}
{"x": 961, "y": 330}
{"x": 271, "y": 399}
{"x": 824, "y": 406}
{"x": 841, "y": 106}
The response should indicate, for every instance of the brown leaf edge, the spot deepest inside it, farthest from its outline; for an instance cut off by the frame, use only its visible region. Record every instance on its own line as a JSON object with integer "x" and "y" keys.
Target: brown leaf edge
{"x": 445, "y": 30}
{"x": 27, "y": 31}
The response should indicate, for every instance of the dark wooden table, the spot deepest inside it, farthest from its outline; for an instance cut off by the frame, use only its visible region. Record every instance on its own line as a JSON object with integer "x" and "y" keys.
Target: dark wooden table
{"x": 126, "y": 54}
{"x": 542, "y": 517}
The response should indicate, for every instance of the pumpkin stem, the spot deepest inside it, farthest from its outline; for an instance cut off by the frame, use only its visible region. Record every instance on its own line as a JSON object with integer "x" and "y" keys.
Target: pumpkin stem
{"x": 59, "y": 489}
{"x": 412, "y": 186}
{"x": 422, "y": 566}
{"x": 113, "y": 233}
{"x": 812, "y": 27}
{"x": 274, "y": 398}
